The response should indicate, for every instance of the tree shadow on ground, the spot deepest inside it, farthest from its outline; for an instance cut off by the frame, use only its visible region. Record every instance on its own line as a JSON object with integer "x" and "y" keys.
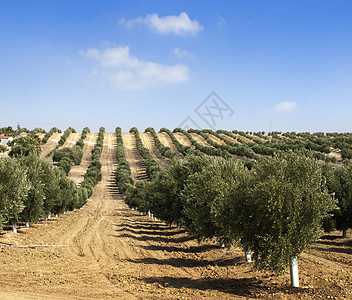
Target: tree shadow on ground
{"x": 188, "y": 262}
{"x": 244, "y": 287}
{"x": 334, "y": 249}
{"x": 192, "y": 249}
{"x": 156, "y": 238}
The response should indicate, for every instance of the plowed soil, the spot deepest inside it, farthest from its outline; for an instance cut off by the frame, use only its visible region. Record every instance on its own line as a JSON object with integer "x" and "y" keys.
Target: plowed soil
{"x": 77, "y": 172}
{"x": 200, "y": 140}
{"x": 246, "y": 140}
{"x": 216, "y": 139}
{"x": 107, "y": 251}
{"x": 233, "y": 140}
{"x": 167, "y": 142}
{"x": 50, "y": 144}
{"x": 148, "y": 143}
{"x": 183, "y": 139}
{"x": 71, "y": 140}
{"x": 137, "y": 164}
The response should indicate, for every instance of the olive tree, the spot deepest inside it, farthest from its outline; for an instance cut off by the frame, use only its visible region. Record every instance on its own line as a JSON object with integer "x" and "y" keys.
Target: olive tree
{"x": 14, "y": 188}
{"x": 286, "y": 202}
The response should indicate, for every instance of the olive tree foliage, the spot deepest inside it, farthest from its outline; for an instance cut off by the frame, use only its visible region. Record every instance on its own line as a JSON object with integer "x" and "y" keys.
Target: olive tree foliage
{"x": 208, "y": 195}
{"x": 14, "y": 187}
{"x": 339, "y": 181}
{"x": 25, "y": 146}
{"x": 285, "y": 202}
{"x": 34, "y": 202}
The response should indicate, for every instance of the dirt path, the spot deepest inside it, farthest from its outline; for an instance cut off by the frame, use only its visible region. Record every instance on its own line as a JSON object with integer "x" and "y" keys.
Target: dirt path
{"x": 166, "y": 141}
{"x": 112, "y": 252}
{"x": 71, "y": 140}
{"x": 77, "y": 172}
{"x": 137, "y": 164}
{"x": 50, "y": 144}
{"x": 148, "y": 142}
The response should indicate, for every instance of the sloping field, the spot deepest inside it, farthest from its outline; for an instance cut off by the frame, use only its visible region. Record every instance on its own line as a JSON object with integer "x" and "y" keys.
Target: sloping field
{"x": 148, "y": 143}
{"x": 77, "y": 172}
{"x": 166, "y": 141}
{"x": 50, "y": 144}
{"x": 71, "y": 140}
{"x": 135, "y": 160}
{"x": 246, "y": 140}
{"x": 230, "y": 139}
{"x": 183, "y": 139}
{"x": 216, "y": 139}
{"x": 200, "y": 140}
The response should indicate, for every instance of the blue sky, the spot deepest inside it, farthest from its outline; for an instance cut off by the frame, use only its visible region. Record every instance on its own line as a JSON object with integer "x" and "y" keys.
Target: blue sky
{"x": 152, "y": 63}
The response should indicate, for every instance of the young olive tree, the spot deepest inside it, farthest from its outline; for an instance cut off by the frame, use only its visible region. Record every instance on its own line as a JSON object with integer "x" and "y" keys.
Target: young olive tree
{"x": 14, "y": 188}
{"x": 286, "y": 202}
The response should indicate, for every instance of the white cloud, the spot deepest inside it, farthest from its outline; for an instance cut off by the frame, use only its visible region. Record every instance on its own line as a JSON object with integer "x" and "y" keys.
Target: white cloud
{"x": 128, "y": 72}
{"x": 285, "y": 106}
{"x": 182, "y": 53}
{"x": 180, "y": 25}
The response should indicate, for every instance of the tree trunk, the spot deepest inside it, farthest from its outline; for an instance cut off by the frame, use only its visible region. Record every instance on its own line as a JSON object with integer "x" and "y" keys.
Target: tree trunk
{"x": 27, "y": 224}
{"x": 14, "y": 227}
{"x": 248, "y": 254}
{"x": 222, "y": 244}
{"x": 294, "y": 272}
{"x": 344, "y": 233}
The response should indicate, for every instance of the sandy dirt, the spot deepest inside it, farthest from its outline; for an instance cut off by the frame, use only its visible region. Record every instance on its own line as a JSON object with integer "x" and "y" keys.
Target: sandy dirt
{"x": 246, "y": 140}
{"x": 183, "y": 139}
{"x": 77, "y": 172}
{"x": 233, "y": 140}
{"x": 137, "y": 164}
{"x": 107, "y": 251}
{"x": 148, "y": 142}
{"x": 336, "y": 153}
{"x": 50, "y": 144}
{"x": 40, "y": 135}
{"x": 71, "y": 140}
{"x": 167, "y": 142}
{"x": 200, "y": 140}
{"x": 216, "y": 139}
{"x": 257, "y": 138}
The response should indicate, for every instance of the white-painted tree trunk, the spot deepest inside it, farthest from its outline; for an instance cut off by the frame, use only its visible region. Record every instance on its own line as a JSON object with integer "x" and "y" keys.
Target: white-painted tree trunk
{"x": 49, "y": 216}
{"x": 14, "y": 227}
{"x": 344, "y": 233}
{"x": 46, "y": 218}
{"x": 294, "y": 272}
{"x": 27, "y": 224}
{"x": 149, "y": 213}
{"x": 56, "y": 215}
{"x": 222, "y": 244}
{"x": 248, "y": 254}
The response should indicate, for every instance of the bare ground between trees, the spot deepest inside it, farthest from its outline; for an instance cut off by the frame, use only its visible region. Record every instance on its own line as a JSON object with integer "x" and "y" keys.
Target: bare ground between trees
{"x": 114, "y": 253}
